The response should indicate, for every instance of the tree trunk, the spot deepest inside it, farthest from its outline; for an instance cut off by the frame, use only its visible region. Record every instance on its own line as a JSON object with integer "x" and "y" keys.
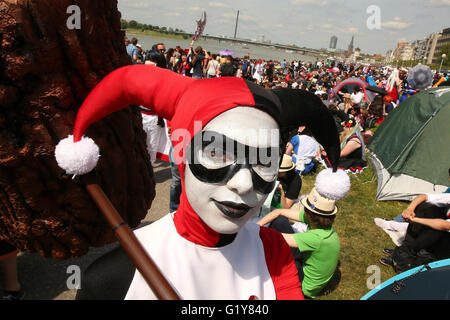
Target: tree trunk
{"x": 46, "y": 71}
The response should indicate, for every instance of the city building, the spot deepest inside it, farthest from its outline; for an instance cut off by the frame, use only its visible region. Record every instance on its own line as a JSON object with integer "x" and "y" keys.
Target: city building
{"x": 430, "y": 48}
{"x": 333, "y": 44}
{"x": 406, "y": 52}
{"x": 443, "y": 40}
{"x": 350, "y": 47}
{"x": 419, "y": 48}
{"x": 426, "y": 51}
{"x": 389, "y": 56}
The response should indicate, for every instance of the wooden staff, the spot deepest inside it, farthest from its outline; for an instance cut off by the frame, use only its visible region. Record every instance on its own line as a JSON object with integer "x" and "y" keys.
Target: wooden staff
{"x": 140, "y": 258}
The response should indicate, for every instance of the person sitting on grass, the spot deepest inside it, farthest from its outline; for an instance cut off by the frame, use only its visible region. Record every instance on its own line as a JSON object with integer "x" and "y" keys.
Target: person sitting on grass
{"x": 427, "y": 235}
{"x": 290, "y": 185}
{"x": 353, "y": 146}
{"x": 316, "y": 251}
{"x": 304, "y": 149}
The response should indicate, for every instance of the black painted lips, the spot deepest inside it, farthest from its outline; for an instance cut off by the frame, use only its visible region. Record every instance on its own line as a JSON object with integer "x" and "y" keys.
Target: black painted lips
{"x": 232, "y": 209}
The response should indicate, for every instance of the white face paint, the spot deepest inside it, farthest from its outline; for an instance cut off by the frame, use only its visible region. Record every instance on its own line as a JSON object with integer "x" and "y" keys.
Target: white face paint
{"x": 248, "y": 126}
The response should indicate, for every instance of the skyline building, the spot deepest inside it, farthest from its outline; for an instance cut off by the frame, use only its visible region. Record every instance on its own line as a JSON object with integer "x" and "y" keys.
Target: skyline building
{"x": 333, "y": 42}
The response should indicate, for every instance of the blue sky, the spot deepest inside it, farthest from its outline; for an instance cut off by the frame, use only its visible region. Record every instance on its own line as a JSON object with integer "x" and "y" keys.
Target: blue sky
{"x": 309, "y": 23}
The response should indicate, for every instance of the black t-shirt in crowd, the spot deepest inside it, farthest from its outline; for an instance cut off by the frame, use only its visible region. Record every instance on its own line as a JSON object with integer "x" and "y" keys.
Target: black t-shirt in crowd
{"x": 292, "y": 185}
{"x": 227, "y": 70}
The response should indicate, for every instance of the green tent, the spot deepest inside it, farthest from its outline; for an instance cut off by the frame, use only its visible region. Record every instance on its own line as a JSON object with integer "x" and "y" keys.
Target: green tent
{"x": 410, "y": 151}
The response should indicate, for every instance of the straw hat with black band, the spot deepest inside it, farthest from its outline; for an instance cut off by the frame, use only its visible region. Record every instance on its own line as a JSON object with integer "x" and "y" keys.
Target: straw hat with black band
{"x": 287, "y": 164}
{"x": 327, "y": 190}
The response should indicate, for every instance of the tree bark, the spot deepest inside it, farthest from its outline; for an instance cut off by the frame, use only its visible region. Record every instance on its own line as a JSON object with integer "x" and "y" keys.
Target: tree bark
{"x": 46, "y": 71}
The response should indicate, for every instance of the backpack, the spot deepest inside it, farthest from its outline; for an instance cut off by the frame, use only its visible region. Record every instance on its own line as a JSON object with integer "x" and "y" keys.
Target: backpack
{"x": 227, "y": 69}
{"x": 370, "y": 122}
{"x": 405, "y": 259}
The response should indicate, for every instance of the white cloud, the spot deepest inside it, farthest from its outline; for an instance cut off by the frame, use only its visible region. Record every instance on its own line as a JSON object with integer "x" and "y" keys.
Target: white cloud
{"x": 337, "y": 29}
{"x": 320, "y": 3}
{"x": 218, "y": 4}
{"x": 437, "y": 3}
{"x": 397, "y": 23}
{"x": 279, "y": 25}
{"x": 196, "y": 9}
{"x": 350, "y": 30}
{"x": 241, "y": 17}
{"x": 140, "y": 4}
{"x": 173, "y": 14}
{"x": 223, "y": 21}
{"x": 247, "y": 17}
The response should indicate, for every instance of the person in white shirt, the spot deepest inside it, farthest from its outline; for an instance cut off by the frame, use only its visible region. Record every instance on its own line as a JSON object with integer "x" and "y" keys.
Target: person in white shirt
{"x": 397, "y": 230}
{"x": 357, "y": 96}
{"x": 427, "y": 233}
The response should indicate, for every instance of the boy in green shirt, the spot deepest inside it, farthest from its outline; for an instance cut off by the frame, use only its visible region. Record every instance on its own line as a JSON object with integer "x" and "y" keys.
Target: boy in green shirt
{"x": 316, "y": 251}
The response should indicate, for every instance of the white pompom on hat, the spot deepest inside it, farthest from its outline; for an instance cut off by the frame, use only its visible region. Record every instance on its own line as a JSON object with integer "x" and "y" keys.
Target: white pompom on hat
{"x": 77, "y": 158}
{"x": 138, "y": 85}
{"x": 332, "y": 185}
{"x": 329, "y": 187}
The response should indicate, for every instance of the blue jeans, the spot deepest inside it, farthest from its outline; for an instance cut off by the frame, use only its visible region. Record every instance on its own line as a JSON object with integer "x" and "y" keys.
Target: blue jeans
{"x": 175, "y": 186}
{"x": 399, "y": 218}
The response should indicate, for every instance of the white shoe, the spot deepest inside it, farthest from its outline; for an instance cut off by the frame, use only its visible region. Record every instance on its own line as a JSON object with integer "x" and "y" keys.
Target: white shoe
{"x": 395, "y": 230}
{"x": 397, "y": 236}
{"x": 381, "y": 223}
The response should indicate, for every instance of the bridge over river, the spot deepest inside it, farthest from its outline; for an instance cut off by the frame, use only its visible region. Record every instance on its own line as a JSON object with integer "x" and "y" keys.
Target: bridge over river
{"x": 302, "y": 51}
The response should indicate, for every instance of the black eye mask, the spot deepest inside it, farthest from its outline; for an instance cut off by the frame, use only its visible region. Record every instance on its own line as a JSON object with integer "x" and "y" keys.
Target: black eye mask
{"x": 227, "y": 156}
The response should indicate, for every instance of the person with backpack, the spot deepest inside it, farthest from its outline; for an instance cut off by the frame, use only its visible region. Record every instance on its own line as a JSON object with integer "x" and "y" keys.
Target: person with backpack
{"x": 427, "y": 237}
{"x": 227, "y": 69}
{"x": 199, "y": 55}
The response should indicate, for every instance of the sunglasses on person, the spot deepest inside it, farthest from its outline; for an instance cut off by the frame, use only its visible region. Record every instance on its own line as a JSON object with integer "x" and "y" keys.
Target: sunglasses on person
{"x": 216, "y": 159}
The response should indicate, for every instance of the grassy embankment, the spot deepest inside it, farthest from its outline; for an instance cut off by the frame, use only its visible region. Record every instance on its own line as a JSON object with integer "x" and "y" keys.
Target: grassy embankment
{"x": 152, "y": 33}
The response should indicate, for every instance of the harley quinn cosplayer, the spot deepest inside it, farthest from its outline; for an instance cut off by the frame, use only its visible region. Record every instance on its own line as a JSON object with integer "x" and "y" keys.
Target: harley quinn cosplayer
{"x": 228, "y": 135}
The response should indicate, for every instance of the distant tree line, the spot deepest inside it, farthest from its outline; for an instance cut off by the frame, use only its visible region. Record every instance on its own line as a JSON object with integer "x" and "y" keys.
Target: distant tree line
{"x": 142, "y": 26}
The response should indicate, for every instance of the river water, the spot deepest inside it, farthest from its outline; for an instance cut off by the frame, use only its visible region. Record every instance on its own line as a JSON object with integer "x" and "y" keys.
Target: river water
{"x": 214, "y": 46}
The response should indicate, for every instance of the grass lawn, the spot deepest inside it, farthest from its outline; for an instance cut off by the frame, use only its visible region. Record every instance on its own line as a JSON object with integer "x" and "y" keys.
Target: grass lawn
{"x": 362, "y": 241}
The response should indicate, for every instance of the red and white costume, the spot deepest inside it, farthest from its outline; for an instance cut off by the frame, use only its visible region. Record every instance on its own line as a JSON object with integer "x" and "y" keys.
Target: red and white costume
{"x": 257, "y": 262}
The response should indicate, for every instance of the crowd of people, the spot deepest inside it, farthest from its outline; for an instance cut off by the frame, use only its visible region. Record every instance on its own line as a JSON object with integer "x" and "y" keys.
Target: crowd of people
{"x": 313, "y": 241}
